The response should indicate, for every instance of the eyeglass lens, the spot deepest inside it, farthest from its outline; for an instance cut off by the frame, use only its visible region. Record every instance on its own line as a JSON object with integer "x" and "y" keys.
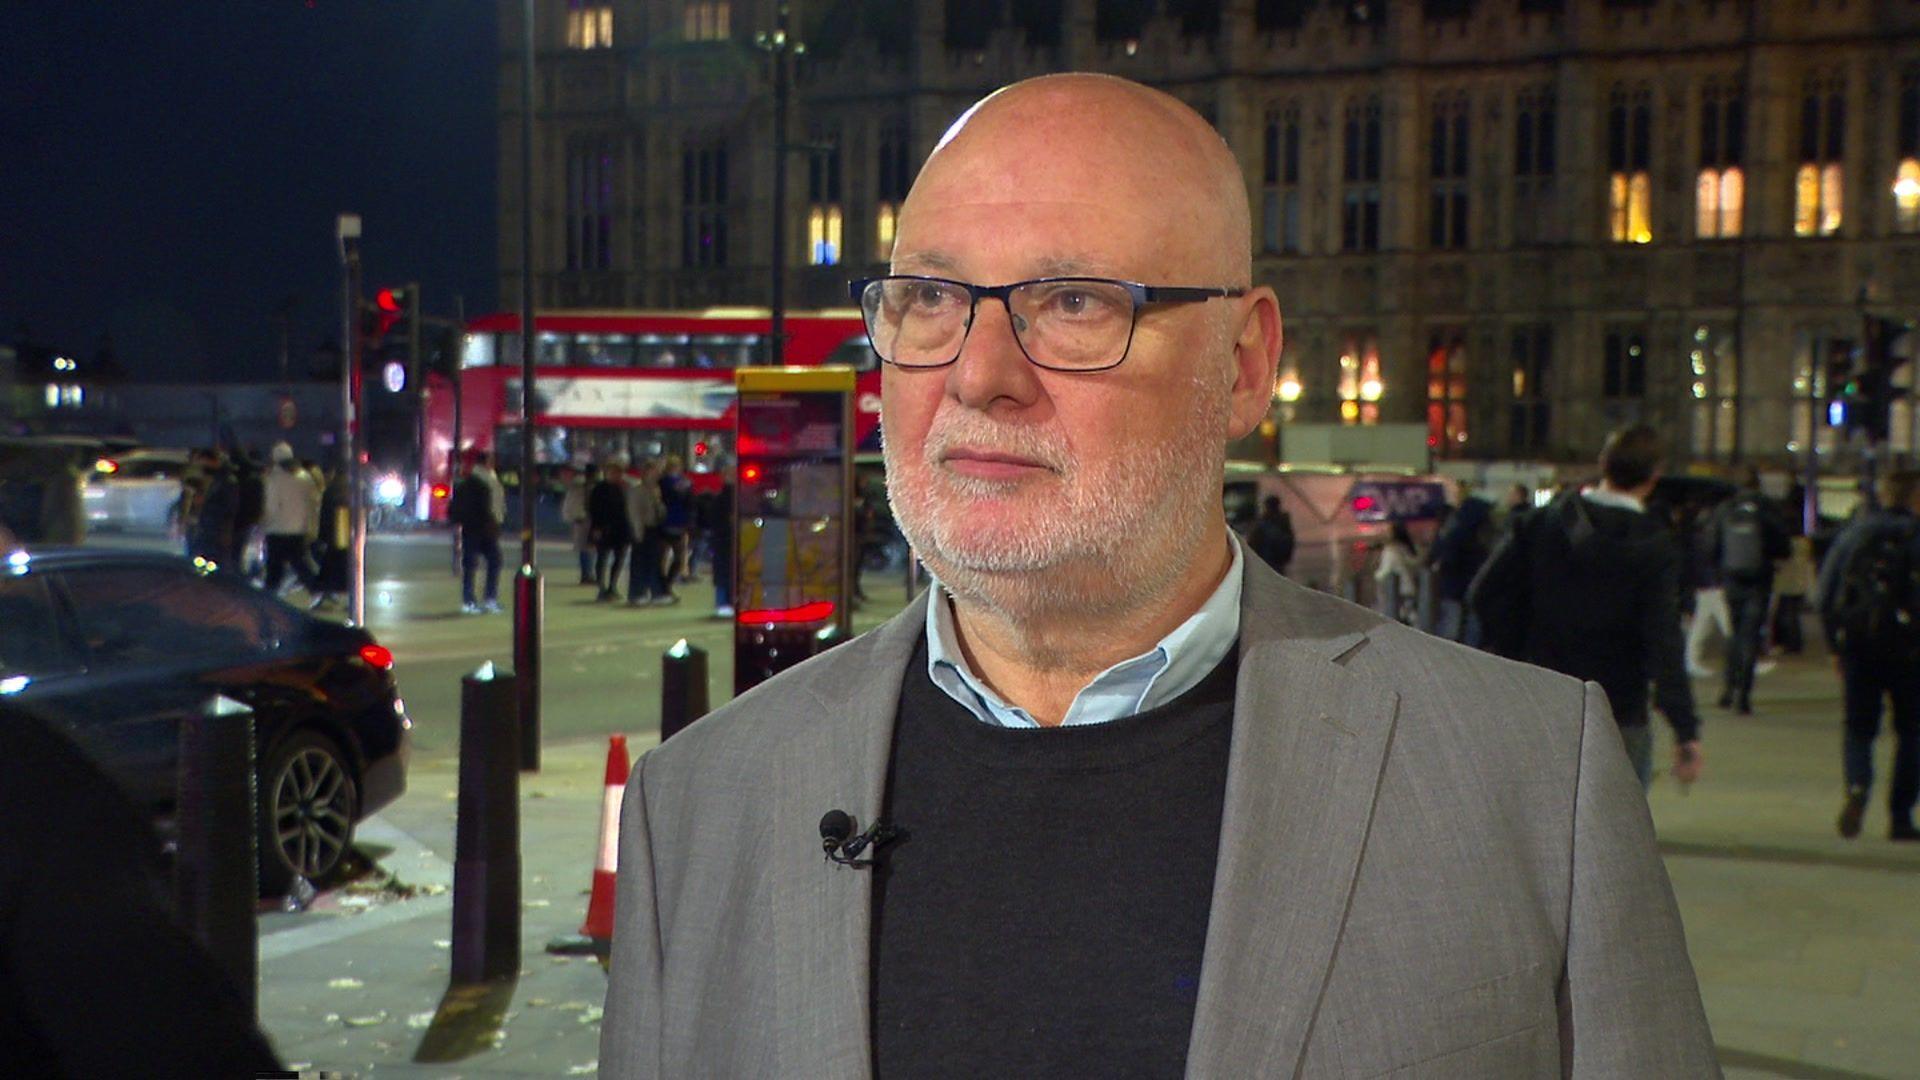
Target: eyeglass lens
{"x": 1075, "y": 324}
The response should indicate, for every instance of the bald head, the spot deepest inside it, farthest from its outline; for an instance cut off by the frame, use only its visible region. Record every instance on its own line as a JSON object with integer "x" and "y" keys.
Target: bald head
{"x": 1145, "y": 162}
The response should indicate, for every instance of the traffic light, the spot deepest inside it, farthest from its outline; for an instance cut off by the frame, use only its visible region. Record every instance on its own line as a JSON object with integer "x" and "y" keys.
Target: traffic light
{"x": 1871, "y": 392}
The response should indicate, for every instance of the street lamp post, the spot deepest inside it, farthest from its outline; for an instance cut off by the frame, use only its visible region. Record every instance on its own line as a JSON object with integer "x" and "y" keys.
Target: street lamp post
{"x": 781, "y": 46}
{"x": 527, "y": 598}
{"x": 347, "y": 232}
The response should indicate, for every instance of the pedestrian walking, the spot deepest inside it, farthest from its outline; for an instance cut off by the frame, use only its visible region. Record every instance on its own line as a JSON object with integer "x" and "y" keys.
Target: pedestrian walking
{"x": 573, "y": 509}
{"x": 1587, "y": 586}
{"x": 1710, "y": 615}
{"x": 720, "y": 544}
{"x": 336, "y": 525}
{"x": 1748, "y": 539}
{"x": 1271, "y": 537}
{"x": 479, "y": 507}
{"x": 1869, "y": 594}
{"x": 1397, "y": 578}
{"x": 676, "y": 525}
{"x": 647, "y": 580}
{"x": 610, "y": 526}
{"x": 289, "y": 517}
{"x": 214, "y": 507}
{"x": 242, "y": 555}
{"x": 1459, "y": 550}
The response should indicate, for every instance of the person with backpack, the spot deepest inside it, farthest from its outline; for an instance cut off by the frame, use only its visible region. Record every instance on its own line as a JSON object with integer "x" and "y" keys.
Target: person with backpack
{"x": 1748, "y": 539}
{"x": 1869, "y": 595}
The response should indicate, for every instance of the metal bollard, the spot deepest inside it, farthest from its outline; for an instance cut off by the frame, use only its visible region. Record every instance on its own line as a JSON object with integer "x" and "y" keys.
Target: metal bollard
{"x": 529, "y": 612}
{"x": 486, "y": 864}
{"x": 215, "y": 878}
{"x": 683, "y": 687}
{"x": 1427, "y": 602}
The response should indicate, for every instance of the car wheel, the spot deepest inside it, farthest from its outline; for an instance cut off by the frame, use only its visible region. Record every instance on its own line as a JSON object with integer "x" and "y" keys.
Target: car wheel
{"x": 308, "y": 803}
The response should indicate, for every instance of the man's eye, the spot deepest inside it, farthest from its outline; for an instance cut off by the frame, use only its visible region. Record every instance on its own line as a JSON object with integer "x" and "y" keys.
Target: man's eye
{"x": 929, "y": 295}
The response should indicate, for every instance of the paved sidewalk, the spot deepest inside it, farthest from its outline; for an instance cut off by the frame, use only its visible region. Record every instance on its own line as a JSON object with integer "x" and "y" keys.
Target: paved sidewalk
{"x": 359, "y": 989}
{"x": 1807, "y": 946}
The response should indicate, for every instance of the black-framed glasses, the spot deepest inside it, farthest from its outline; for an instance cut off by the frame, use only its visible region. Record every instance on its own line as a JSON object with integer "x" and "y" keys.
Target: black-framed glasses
{"x": 1075, "y": 324}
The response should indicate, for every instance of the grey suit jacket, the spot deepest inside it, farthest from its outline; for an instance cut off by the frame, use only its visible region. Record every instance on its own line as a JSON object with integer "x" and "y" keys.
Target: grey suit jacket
{"x": 1433, "y": 862}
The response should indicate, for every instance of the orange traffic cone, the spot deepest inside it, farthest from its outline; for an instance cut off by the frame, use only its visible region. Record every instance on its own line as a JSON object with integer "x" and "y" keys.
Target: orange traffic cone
{"x": 596, "y": 932}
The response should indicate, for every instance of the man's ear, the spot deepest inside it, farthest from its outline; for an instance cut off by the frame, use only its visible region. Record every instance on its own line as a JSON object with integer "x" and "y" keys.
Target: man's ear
{"x": 1256, "y": 359}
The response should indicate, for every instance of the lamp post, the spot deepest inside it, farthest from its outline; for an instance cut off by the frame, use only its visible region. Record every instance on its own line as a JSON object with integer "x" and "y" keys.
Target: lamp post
{"x": 526, "y": 586}
{"x": 347, "y": 232}
{"x": 780, "y": 45}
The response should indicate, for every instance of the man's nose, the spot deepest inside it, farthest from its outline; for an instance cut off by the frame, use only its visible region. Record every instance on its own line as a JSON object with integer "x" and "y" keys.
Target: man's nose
{"x": 992, "y": 366}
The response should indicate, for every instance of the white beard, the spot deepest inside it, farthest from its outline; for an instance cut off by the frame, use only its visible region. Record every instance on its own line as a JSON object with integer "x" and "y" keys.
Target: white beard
{"x": 1093, "y": 539}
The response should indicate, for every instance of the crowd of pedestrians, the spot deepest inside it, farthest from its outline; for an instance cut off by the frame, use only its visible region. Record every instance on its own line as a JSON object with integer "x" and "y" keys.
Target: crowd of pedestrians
{"x": 281, "y": 523}
{"x": 643, "y": 519}
{"x": 1608, "y": 584}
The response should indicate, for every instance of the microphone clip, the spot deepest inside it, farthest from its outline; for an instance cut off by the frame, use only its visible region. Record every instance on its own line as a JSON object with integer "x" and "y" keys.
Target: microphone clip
{"x": 844, "y": 847}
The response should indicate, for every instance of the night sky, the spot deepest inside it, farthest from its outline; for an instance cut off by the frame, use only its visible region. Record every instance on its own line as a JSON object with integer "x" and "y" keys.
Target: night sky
{"x": 170, "y": 171}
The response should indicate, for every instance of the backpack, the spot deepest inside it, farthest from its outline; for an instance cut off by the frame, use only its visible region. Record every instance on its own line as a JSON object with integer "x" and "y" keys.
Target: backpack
{"x": 1877, "y": 602}
{"x": 1743, "y": 541}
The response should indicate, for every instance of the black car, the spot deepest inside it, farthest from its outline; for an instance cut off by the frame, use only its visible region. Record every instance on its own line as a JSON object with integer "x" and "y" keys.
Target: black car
{"x": 116, "y": 647}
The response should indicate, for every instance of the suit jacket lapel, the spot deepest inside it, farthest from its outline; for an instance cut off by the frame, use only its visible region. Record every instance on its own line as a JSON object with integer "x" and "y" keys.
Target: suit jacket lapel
{"x": 1309, "y": 739}
{"x": 822, "y": 913}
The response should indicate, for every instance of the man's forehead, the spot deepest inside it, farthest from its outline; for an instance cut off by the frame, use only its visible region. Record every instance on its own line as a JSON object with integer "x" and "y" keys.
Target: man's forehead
{"x": 1038, "y": 264}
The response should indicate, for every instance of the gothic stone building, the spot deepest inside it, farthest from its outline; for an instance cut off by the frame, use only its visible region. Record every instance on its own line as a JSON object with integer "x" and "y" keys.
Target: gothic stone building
{"x": 1518, "y": 222}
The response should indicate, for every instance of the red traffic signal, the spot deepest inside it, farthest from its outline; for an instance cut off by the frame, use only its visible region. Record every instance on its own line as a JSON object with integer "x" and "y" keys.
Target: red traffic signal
{"x": 391, "y": 301}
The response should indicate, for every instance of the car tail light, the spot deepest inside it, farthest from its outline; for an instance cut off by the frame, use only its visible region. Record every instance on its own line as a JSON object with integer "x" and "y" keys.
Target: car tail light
{"x": 441, "y": 491}
{"x": 106, "y": 466}
{"x": 377, "y": 656}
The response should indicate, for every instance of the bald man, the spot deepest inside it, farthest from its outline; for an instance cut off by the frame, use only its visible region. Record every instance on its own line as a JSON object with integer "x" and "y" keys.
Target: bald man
{"x": 1112, "y": 798}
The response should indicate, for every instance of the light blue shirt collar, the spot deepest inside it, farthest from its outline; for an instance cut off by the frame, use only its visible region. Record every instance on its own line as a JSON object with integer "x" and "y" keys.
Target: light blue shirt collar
{"x": 1155, "y": 677}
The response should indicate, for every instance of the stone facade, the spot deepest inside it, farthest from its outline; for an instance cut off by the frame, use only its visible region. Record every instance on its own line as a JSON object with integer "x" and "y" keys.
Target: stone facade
{"x": 1519, "y": 292}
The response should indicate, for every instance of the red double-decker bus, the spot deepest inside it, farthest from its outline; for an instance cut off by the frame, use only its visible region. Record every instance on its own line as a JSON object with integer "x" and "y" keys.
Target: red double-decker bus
{"x": 640, "y": 383}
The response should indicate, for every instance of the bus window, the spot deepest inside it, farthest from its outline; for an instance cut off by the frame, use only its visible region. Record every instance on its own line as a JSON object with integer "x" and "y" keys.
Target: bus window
{"x": 479, "y": 350}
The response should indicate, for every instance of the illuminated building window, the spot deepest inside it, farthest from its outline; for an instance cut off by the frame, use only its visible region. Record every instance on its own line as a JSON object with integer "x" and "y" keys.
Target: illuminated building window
{"x": 1629, "y": 157}
{"x": 824, "y": 215}
{"x": 1906, "y": 176}
{"x": 1360, "y": 175}
{"x": 1360, "y": 385}
{"x": 1447, "y": 169}
{"x": 1534, "y": 160}
{"x": 589, "y": 26}
{"x": 1447, "y": 392}
{"x": 1280, "y": 228}
{"x": 1624, "y": 364}
{"x": 894, "y": 177}
{"x": 1720, "y": 188}
{"x": 707, "y": 21}
{"x": 885, "y": 222}
{"x": 1818, "y": 182}
{"x": 823, "y": 235}
{"x": 1530, "y": 421}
